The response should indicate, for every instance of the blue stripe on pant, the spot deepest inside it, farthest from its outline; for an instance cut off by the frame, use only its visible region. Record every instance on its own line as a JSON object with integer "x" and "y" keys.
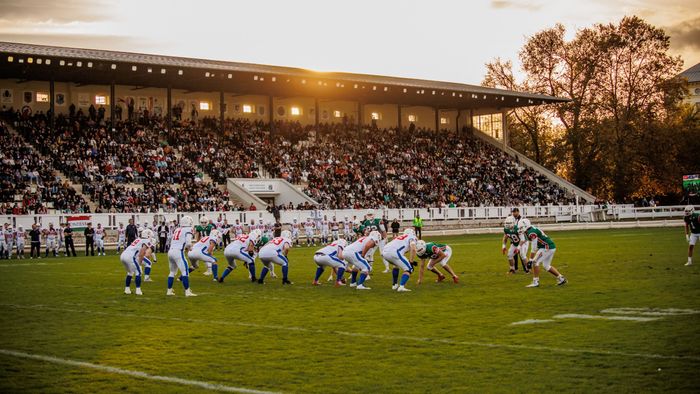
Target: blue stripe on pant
{"x": 184, "y": 261}
{"x": 136, "y": 264}
{"x": 409, "y": 267}
{"x": 359, "y": 257}
{"x": 284, "y": 258}
{"x": 245, "y": 254}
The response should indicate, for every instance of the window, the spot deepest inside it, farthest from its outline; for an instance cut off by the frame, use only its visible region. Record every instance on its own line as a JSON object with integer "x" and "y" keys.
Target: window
{"x": 247, "y": 109}
{"x": 295, "y": 111}
{"x": 42, "y": 97}
{"x": 412, "y": 118}
{"x": 376, "y": 116}
{"x": 444, "y": 121}
{"x": 100, "y": 100}
{"x": 697, "y": 90}
{"x": 337, "y": 114}
{"x": 204, "y": 106}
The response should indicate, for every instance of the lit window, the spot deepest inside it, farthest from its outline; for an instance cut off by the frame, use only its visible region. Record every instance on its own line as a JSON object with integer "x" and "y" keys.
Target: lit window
{"x": 100, "y": 100}
{"x": 230, "y": 76}
{"x": 204, "y": 105}
{"x": 337, "y": 114}
{"x": 295, "y": 111}
{"x": 10, "y": 59}
{"x": 150, "y": 69}
{"x": 48, "y": 62}
{"x": 247, "y": 109}
{"x": 274, "y": 79}
{"x": 133, "y": 68}
{"x": 42, "y": 97}
{"x": 375, "y": 116}
{"x": 89, "y": 64}
{"x": 179, "y": 72}
{"x": 79, "y": 64}
{"x": 162, "y": 71}
{"x": 412, "y": 118}
{"x": 444, "y": 121}
{"x": 38, "y": 61}
{"x": 114, "y": 66}
{"x": 62, "y": 62}
{"x": 30, "y": 60}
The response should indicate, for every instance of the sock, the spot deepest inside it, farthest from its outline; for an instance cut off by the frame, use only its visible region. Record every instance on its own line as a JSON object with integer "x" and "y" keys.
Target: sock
{"x": 138, "y": 281}
{"x": 251, "y": 268}
{"x": 319, "y": 272}
{"x": 405, "y": 278}
{"x": 147, "y": 271}
{"x": 226, "y": 272}
{"x": 285, "y": 272}
{"x": 341, "y": 272}
{"x": 435, "y": 271}
{"x": 190, "y": 270}
{"x": 363, "y": 276}
{"x": 263, "y": 273}
{"x": 690, "y": 259}
{"x": 215, "y": 270}
{"x": 128, "y": 280}
{"x": 186, "y": 282}
{"x": 353, "y": 277}
{"x": 395, "y": 276}
{"x": 170, "y": 282}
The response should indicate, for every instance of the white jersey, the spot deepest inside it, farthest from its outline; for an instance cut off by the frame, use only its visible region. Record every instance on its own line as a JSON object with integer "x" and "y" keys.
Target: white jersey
{"x": 9, "y": 235}
{"x": 242, "y": 241}
{"x": 334, "y": 226}
{"x": 20, "y": 236}
{"x": 357, "y": 246}
{"x": 51, "y": 234}
{"x": 275, "y": 246}
{"x": 121, "y": 232}
{"x": 295, "y": 228}
{"x": 99, "y": 233}
{"x": 203, "y": 244}
{"x": 324, "y": 226}
{"x": 135, "y": 247}
{"x": 182, "y": 238}
{"x": 238, "y": 229}
{"x": 331, "y": 249}
{"x": 309, "y": 226}
{"x": 401, "y": 243}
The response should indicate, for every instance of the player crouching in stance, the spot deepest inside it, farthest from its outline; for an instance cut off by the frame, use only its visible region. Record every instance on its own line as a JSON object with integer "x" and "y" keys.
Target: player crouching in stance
{"x": 201, "y": 251}
{"x": 518, "y": 245}
{"x": 132, "y": 257}
{"x": 243, "y": 249}
{"x": 275, "y": 252}
{"x": 543, "y": 249}
{"x": 692, "y": 230}
{"x": 394, "y": 253}
{"x": 438, "y": 254}
{"x": 331, "y": 256}
{"x": 355, "y": 255}
{"x": 181, "y": 241}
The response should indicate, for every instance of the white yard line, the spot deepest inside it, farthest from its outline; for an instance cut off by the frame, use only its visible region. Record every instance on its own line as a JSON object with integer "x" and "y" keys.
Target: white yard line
{"x": 650, "y": 311}
{"x": 604, "y": 317}
{"x": 565, "y": 350}
{"x": 128, "y": 372}
{"x": 531, "y": 321}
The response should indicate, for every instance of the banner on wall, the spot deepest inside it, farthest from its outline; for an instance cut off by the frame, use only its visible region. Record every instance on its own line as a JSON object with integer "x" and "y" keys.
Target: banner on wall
{"x": 28, "y": 97}
{"x": 83, "y": 100}
{"x": 7, "y": 96}
{"x": 79, "y": 222}
{"x": 60, "y": 99}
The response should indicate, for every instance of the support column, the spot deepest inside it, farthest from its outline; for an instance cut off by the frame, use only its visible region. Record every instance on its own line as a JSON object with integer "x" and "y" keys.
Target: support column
{"x": 221, "y": 112}
{"x": 459, "y": 113}
{"x": 112, "y": 104}
{"x": 316, "y": 112}
{"x": 504, "y": 124}
{"x": 169, "y": 113}
{"x": 400, "y": 123}
{"x": 271, "y": 113}
{"x": 52, "y": 104}
{"x": 360, "y": 116}
{"x": 437, "y": 119}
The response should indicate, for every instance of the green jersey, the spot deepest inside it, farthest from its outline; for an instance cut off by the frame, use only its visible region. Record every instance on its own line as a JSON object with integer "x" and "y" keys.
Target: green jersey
{"x": 373, "y": 224}
{"x": 543, "y": 241}
{"x": 204, "y": 230}
{"x": 261, "y": 242}
{"x": 432, "y": 249}
{"x": 693, "y": 221}
{"x": 512, "y": 235}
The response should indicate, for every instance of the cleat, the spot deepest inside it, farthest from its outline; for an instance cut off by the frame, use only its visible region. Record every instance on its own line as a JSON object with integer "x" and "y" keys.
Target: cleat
{"x": 189, "y": 293}
{"x": 534, "y": 284}
{"x": 455, "y": 279}
{"x": 363, "y": 287}
{"x": 315, "y": 283}
{"x": 287, "y": 282}
{"x": 353, "y": 284}
{"x": 401, "y": 288}
{"x": 220, "y": 280}
{"x": 170, "y": 292}
{"x": 206, "y": 273}
{"x": 386, "y": 271}
{"x": 214, "y": 279}
{"x": 147, "y": 279}
{"x": 394, "y": 287}
{"x": 127, "y": 291}
{"x": 511, "y": 271}
{"x": 260, "y": 282}
{"x": 688, "y": 264}
{"x": 273, "y": 275}
{"x": 339, "y": 283}
{"x": 138, "y": 291}
{"x": 440, "y": 278}
{"x": 253, "y": 279}
{"x": 561, "y": 281}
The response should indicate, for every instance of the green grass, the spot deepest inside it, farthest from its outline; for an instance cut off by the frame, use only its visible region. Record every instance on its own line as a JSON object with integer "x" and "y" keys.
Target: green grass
{"x": 440, "y": 337}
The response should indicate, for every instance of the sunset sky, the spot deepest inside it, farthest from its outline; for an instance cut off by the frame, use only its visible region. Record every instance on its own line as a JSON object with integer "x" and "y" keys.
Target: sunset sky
{"x": 441, "y": 40}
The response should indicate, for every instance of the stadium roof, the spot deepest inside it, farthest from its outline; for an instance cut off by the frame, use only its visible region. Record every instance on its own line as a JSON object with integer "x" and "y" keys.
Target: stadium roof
{"x": 692, "y": 74}
{"x": 100, "y": 67}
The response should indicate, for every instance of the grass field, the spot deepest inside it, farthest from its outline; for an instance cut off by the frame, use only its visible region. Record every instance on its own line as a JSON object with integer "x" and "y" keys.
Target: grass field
{"x": 440, "y": 337}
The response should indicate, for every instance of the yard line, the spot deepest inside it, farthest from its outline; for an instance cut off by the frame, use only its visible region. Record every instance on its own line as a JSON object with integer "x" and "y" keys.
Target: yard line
{"x": 604, "y": 317}
{"x": 128, "y": 372}
{"x": 650, "y": 311}
{"x": 531, "y": 321}
{"x": 601, "y": 352}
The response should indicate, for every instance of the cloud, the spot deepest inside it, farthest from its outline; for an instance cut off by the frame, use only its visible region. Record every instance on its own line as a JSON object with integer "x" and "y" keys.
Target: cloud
{"x": 525, "y": 5}
{"x": 95, "y": 41}
{"x": 63, "y": 11}
{"x": 685, "y": 34}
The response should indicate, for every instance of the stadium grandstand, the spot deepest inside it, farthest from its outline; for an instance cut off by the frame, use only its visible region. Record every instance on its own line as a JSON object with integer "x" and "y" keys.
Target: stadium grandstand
{"x": 104, "y": 131}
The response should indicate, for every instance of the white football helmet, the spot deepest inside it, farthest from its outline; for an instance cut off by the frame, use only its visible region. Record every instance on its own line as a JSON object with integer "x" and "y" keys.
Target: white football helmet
{"x": 254, "y": 236}
{"x": 420, "y": 247}
{"x": 204, "y": 220}
{"x": 370, "y": 213}
{"x": 186, "y": 221}
{"x": 510, "y": 223}
{"x": 146, "y": 234}
{"x": 286, "y": 234}
{"x": 375, "y": 236}
{"x": 215, "y": 234}
{"x": 689, "y": 210}
{"x": 409, "y": 231}
{"x": 342, "y": 243}
{"x": 524, "y": 225}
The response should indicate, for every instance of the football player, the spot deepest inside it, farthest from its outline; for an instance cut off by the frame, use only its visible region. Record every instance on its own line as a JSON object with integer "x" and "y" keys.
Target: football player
{"x": 692, "y": 230}
{"x": 543, "y": 249}
{"x": 180, "y": 242}
{"x": 202, "y": 251}
{"x": 330, "y": 256}
{"x": 394, "y": 252}
{"x": 132, "y": 258}
{"x": 518, "y": 244}
{"x": 355, "y": 254}
{"x": 437, "y": 254}
{"x": 242, "y": 249}
{"x": 275, "y": 252}
{"x": 20, "y": 237}
{"x": 121, "y": 237}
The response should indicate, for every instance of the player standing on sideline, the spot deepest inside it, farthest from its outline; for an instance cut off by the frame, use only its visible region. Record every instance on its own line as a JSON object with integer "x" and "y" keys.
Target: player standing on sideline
{"x": 162, "y": 236}
{"x": 335, "y": 229}
{"x": 68, "y": 237}
{"x": 543, "y": 249}
{"x": 324, "y": 230}
{"x": 518, "y": 244}
{"x": 61, "y": 239}
{"x": 295, "y": 232}
{"x": 355, "y": 255}
{"x": 275, "y": 252}
{"x": 100, "y": 235}
{"x": 242, "y": 249}
{"x": 51, "y": 240}
{"x": 89, "y": 240}
{"x": 309, "y": 231}
{"x": 226, "y": 233}
{"x": 237, "y": 228}
{"x": 181, "y": 241}
{"x": 347, "y": 229}
{"x": 3, "y": 247}
{"x": 202, "y": 251}
{"x": 132, "y": 257}
{"x": 438, "y": 254}
{"x": 121, "y": 237}
{"x": 692, "y": 230}
{"x": 394, "y": 252}
{"x": 35, "y": 242}
{"x": 331, "y": 256}
{"x": 20, "y": 237}
{"x": 9, "y": 240}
